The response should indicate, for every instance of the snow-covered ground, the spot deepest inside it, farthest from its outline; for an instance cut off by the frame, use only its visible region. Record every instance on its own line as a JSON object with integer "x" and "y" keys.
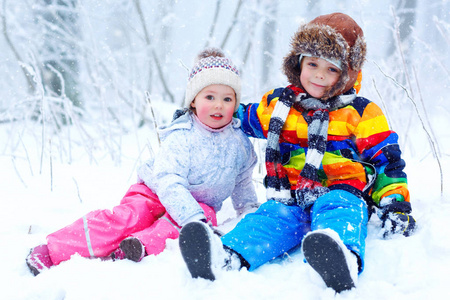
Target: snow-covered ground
{"x": 36, "y": 201}
{"x": 39, "y": 195}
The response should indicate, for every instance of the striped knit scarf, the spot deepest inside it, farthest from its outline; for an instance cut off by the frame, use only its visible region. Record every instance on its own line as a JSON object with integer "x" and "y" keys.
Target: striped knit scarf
{"x": 308, "y": 187}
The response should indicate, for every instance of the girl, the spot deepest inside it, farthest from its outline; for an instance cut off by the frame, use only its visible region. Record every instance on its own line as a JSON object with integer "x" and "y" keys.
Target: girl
{"x": 204, "y": 158}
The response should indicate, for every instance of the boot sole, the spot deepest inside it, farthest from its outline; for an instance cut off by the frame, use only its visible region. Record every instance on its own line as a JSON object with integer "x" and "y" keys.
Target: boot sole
{"x": 32, "y": 268}
{"x": 38, "y": 262}
{"x": 195, "y": 247}
{"x": 133, "y": 249}
{"x": 326, "y": 257}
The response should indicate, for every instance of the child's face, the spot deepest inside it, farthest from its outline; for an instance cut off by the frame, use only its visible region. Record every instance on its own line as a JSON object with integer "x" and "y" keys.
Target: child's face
{"x": 318, "y": 75}
{"x": 214, "y": 105}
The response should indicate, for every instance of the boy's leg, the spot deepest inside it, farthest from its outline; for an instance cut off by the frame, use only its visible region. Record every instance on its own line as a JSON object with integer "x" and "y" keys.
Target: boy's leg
{"x": 100, "y": 232}
{"x": 272, "y": 230}
{"x": 347, "y": 215}
{"x": 339, "y": 228}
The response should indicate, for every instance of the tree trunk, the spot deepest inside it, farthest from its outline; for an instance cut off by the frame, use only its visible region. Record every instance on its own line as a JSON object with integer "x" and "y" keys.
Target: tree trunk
{"x": 406, "y": 13}
{"x": 269, "y": 31}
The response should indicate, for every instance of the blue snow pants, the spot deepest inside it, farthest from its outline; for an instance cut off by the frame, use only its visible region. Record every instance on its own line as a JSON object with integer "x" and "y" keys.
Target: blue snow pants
{"x": 276, "y": 228}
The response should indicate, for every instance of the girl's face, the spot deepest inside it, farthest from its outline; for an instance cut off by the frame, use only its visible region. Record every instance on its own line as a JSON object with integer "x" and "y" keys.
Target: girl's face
{"x": 318, "y": 76}
{"x": 214, "y": 105}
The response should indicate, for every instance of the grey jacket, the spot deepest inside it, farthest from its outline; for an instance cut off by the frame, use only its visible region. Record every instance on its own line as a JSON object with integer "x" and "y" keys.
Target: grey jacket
{"x": 197, "y": 164}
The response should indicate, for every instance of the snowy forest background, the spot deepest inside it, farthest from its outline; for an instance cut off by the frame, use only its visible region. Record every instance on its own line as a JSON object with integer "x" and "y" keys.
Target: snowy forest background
{"x": 84, "y": 84}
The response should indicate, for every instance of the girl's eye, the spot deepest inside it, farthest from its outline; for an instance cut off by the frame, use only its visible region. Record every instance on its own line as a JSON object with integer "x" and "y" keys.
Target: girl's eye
{"x": 312, "y": 64}
{"x": 210, "y": 97}
{"x": 334, "y": 70}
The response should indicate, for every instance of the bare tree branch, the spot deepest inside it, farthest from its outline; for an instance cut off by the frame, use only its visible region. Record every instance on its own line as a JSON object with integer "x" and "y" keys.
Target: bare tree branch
{"x": 155, "y": 124}
{"x": 31, "y": 87}
{"x": 213, "y": 24}
{"x": 430, "y": 140}
{"x": 233, "y": 23}
{"x": 137, "y": 4}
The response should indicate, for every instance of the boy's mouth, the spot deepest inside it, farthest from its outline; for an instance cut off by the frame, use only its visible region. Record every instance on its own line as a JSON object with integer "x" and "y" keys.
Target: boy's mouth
{"x": 317, "y": 85}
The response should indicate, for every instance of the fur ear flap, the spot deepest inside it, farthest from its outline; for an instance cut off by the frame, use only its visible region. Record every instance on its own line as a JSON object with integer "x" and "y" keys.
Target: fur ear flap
{"x": 357, "y": 54}
{"x": 291, "y": 68}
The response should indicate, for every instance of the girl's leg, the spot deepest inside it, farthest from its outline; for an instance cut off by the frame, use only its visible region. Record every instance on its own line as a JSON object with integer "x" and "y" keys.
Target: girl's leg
{"x": 154, "y": 237}
{"x": 272, "y": 230}
{"x": 347, "y": 215}
{"x": 100, "y": 232}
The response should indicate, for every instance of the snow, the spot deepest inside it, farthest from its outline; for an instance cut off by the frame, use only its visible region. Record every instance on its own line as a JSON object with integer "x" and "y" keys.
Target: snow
{"x": 36, "y": 203}
{"x": 79, "y": 173}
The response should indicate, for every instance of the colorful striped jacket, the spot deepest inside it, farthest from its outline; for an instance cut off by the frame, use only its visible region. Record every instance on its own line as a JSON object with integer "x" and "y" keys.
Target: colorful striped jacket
{"x": 362, "y": 156}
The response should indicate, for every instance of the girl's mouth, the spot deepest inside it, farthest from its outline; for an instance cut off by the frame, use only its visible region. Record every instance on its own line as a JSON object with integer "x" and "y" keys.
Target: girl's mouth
{"x": 216, "y": 116}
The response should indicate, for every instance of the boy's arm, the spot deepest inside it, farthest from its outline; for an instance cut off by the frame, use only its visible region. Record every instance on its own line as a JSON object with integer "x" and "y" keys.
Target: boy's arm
{"x": 379, "y": 146}
{"x": 250, "y": 124}
{"x": 255, "y": 117}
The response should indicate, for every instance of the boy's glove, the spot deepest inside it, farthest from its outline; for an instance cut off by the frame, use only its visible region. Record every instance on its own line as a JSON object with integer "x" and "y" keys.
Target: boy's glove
{"x": 395, "y": 216}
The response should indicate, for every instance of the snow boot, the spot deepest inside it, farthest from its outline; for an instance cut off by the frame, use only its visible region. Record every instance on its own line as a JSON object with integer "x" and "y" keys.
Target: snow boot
{"x": 328, "y": 256}
{"x": 130, "y": 248}
{"x": 204, "y": 253}
{"x": 39, "y": 259}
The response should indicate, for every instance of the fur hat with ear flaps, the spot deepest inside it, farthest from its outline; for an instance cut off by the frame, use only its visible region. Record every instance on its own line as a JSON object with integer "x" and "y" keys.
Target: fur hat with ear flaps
{"x": 334, "y": 37}
{"x": 212, "y": 67}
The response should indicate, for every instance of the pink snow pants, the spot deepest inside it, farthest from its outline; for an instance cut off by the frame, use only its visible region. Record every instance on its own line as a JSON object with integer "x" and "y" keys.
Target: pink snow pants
{"x": 97, "y": 234}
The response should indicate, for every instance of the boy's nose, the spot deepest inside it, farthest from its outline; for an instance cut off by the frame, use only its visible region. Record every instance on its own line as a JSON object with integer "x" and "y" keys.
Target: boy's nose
{"x": 320, "y": 75}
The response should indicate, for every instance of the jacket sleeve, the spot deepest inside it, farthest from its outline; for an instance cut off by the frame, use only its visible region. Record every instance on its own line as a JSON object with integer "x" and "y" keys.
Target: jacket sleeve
{"x": 169, "y": 178}
{"x": 255, "y": 117}
{"x": 378, "y": 145}
{"x": 244, "y": 194}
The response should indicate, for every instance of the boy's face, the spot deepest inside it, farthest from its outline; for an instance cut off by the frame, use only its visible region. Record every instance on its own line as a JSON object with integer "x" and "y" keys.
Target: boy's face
{"x": 318, "y": 75}
{"x": 214, "y": 105}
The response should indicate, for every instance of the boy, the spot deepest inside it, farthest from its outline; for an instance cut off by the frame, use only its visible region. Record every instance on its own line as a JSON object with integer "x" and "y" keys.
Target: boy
{"x": 330, "y": 157}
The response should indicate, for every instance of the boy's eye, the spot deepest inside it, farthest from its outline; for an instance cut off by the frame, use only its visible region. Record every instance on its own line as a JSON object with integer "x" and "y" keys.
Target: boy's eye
{"x": 228, "y": 99}
{"x": 210, "y": 97}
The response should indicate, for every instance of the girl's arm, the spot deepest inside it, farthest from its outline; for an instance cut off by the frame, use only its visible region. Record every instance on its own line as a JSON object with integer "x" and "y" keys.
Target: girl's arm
{"x": 169, "y": 179}
{"x": 244, "y": 195}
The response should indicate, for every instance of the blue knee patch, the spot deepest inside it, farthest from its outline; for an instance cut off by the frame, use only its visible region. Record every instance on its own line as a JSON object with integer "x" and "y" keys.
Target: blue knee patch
{"x": 272, "y": 230}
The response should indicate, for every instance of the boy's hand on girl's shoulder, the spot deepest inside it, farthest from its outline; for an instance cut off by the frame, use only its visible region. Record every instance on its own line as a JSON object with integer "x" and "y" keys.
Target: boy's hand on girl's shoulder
{"x": 290, "y": 92}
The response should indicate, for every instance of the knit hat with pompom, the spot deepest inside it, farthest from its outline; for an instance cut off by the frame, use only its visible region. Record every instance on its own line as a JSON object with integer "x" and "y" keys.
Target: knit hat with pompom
{"x": 212, "y": 67}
